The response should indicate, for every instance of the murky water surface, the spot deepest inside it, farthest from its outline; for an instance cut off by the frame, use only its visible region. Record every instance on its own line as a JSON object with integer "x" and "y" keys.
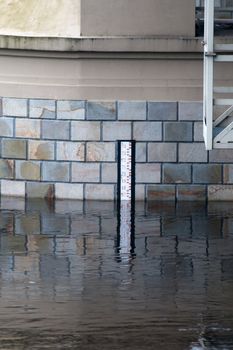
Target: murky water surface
{"x": 69, "y": 281}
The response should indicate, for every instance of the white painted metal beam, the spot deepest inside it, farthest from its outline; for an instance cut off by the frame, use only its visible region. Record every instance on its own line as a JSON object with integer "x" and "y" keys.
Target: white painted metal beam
{"x": 208, "y": 74}
{"x": 224, "y": 47}
{"x": 223, "y": 58}
{"x": 223, "y": 89}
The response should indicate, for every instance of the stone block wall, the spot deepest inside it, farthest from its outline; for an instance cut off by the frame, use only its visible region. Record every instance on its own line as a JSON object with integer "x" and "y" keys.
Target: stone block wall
{"x": 68, "y": 149}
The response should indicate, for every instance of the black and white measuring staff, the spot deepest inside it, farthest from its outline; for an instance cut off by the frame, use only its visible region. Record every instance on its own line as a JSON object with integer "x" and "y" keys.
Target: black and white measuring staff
{"x": 126, "y": 195}
{"x": 126, "y": 171}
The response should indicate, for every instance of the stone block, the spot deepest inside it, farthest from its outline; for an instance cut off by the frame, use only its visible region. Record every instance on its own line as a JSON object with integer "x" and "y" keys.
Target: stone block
{"x": 41, "y": 150}
{"x": 27, "y": 224}
{"x": 6, "y": 221}
{"x": 84, "y": 225}
{"x": 85, "y": 131}
{"x": 13, "y": 148}
{"x": 28, "y": 128}
{"x": 71, "y": 110}
{"x": 140, "y": 192}
{"x": 176, "y": 228}
{"x": 220, "y": 192}
{"x": 198, "y": 131}
{"x": 101, "y": 110}
{"x": 162, "y": 152}
{"x": 73, "y": 151}
{"x": 162, "y": 110}
{"x": 207, "y": 173}
{"x": 141, "y": 206}
{"x": 147, "y": 227}
{"x": 209, "y": 226}
{"x": 147, "y": 131}
{"x": 192, "y": 153}
{"x": 113, "y": 131}
{"x": 55, "y": 171}
{"x": 14, "y": 107}
{"x": 107, "y": 225}
{"x": 13, "y": 188}
{"x": 6, "y": 127}
{"x": 191, "y": 193}
{"x": 9, "y": 203}
{"x": 178, "y": 131}
{"x": 148, "y": 173}
{"x": 67, "y": 205}
{"x": 141, "y": 149}
{"x": 40, "y": 190}
{"x": 39, "y": 204}
{"x": 190, "y": 111}
{"x": 228, "y": 173}
{"x": 227, "y": 226}
{"x": 132, "y": 110}
{"x": 221, "y": 156}
{"x": 176, "y": 173}
{"x": 42, "y": 109}
{"x": 99, "y": 192}
{"x": 101, "y": 152}
{"x": 92, "y": 208}
{"x": 69, "y": 191}
{"x": 55, "y": 224}
{"x": 55, "y": 129}
{"x": 161, "y": 192}
{"x": 6, "y": 169}
{"x": 191, "y": 209}
{"x": 26, "y": 170}
{"x": 109, "y": 172}
{"x": 85, "y": 172}
{"x": 219, "y": 209}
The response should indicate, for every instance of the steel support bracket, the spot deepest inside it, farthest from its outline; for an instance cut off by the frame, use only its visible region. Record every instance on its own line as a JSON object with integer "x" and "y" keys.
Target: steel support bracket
{"x": 210, "y": 54}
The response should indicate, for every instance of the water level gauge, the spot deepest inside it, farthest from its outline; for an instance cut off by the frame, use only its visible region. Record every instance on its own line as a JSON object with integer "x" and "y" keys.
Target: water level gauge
{"x": 126, "y": 171}
{"x": 126, "y": 197}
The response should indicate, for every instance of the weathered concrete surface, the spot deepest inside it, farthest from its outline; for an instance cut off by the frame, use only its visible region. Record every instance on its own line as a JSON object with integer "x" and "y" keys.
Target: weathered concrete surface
{"x": 137, "y": 44}
{"x": 40, "y": 18}
{"x": 136, "y": 17}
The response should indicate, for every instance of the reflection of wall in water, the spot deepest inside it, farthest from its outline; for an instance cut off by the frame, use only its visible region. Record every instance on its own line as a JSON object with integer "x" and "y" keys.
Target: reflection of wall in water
{"x": 179, "y": 250}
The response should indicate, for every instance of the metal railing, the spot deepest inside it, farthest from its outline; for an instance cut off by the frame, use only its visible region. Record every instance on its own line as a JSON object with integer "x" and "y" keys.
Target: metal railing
{"x": 216, "y": 134}
{"x": 223, "y": 17}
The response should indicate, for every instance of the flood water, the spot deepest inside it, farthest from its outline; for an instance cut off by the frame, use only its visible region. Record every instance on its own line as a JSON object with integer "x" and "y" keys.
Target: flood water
{"x": 68, "y": 281}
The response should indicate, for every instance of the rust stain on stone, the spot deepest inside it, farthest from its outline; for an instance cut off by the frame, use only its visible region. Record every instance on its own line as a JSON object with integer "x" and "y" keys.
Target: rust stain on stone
{"x": 50, "y": 193}
{"x": 50, "y": 197}
{"x": 6, "y": 168}
{"x": 80, "y": 151}
{"x": 10, "y": 164}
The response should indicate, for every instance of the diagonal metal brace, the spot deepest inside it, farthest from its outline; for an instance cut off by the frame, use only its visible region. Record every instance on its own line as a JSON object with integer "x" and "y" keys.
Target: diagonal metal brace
{"x": 226, "y": 135}
{"x": 223, "y": 116}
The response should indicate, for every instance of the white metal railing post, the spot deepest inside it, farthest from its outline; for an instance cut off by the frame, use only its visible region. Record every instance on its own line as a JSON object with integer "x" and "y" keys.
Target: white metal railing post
{"x": 208, "y": 74}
